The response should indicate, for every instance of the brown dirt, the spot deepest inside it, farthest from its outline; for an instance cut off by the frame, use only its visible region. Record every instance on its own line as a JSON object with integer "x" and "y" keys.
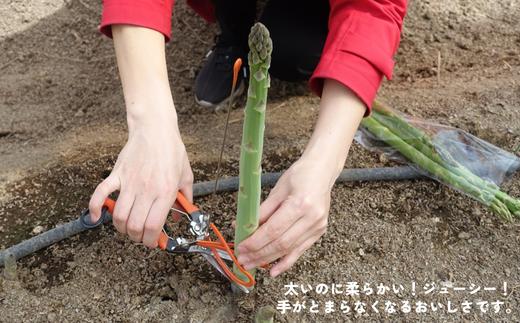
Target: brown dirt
{"x": 62, "y": 125}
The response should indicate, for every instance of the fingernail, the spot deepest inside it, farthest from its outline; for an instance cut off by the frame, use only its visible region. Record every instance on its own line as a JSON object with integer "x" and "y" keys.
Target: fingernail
{"x": 274, "y": 273}
{"x": 242, "y": 259}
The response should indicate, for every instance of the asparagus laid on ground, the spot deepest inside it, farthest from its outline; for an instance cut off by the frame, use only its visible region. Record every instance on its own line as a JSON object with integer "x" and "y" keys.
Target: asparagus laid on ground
{"x": 260, "y": 48}
{"x": 422, "y": 142}
{"x": 438, "y": 171}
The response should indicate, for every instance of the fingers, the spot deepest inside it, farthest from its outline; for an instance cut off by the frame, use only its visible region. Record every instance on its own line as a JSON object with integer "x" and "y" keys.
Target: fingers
{"x": 186, "y": 185}
{"x": 187, "y": 191}
{"x": 102, "y": 191}
{"x": 137, "y": 218}
{"x": 275, "y": 227}
{"x": 124, "y": 205}
{"x": 295, "y": 222}
{"x": 300, "y": 232}
{"x": 155, "y": 221}
{"x": 289, "y": 260}
{"x": 141, "y": 216}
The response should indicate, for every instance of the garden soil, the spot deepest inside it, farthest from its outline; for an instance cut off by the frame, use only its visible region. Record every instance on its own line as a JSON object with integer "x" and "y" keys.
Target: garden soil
{"x": 62, "y": 124}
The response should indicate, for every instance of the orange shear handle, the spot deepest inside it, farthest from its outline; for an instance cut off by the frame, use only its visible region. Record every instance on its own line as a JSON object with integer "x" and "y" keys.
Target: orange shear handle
{"x": 109, "y": 204}
{"x": 186, "y": 205}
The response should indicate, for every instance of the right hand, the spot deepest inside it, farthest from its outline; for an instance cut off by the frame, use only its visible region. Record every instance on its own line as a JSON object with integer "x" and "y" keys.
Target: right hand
{"x": 150, "y": 169}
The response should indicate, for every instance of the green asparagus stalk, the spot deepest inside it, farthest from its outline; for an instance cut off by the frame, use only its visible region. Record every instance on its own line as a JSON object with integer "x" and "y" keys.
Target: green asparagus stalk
{"x": 422, "y": 142}
{"x": 435, "y": 169}
{"x": 265, "y": 314}
{"x": 260, "y": 48}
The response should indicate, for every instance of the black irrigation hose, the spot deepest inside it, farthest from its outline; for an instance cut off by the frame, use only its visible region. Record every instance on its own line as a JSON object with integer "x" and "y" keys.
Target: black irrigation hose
{"x": 66, "y": 230}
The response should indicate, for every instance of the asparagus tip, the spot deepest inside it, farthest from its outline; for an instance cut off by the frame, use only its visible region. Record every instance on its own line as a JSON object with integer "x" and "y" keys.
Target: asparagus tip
{"x": 260, "y": 44}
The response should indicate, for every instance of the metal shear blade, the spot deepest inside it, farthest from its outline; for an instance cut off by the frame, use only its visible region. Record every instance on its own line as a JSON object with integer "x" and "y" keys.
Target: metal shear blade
{"x": 215, "y": 264}
{"x": 208, "y": 255}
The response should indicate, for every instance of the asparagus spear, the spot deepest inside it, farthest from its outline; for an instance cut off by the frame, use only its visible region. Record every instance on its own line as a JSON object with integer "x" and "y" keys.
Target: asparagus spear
{"x": 260, "y": 48}
{"x": 435, "y": 169}
{"x": 422, "y": 142}
{"x": 265, "y": 314}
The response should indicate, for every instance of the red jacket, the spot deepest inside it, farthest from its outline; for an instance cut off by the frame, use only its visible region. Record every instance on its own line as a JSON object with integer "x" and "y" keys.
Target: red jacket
{"x": 363, "y": 37}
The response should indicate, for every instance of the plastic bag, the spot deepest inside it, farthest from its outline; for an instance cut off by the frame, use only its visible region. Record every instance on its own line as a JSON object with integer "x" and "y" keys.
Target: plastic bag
{"x": 446, "y": 154}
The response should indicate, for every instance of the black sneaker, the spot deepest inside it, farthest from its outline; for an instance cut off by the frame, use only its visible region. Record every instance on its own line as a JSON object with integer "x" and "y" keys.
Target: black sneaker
{"x": 214, "y": 81}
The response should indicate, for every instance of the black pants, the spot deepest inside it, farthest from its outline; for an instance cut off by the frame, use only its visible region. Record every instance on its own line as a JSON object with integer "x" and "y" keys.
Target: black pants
{"x": 298, "y": 30}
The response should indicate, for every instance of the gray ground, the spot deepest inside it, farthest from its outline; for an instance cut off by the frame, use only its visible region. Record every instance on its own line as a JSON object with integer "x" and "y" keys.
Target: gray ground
{"x": 62, "y": 125}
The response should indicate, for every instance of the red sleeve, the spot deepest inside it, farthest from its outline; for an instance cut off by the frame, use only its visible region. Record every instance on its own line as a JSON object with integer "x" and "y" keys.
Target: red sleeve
{"x": 153, "y": 14}
{"x": 363, "y": 38}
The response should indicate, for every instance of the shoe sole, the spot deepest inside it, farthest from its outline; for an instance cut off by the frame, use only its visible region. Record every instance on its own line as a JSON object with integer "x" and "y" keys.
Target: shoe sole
{"x": 222, "y": 104}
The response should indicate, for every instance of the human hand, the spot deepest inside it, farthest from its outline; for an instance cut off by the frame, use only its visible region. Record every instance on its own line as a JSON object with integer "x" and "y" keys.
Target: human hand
{"x": 153, "y": 165}
{"x": 292, "y": 218}
{"x": 151, "y": 168}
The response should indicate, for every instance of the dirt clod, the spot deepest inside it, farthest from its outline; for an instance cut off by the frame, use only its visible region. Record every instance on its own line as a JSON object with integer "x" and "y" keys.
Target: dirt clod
{"x": 38, "y": 229}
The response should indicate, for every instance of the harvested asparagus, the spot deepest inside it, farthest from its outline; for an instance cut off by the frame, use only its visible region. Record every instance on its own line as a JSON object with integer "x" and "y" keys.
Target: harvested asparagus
{"x": 435, "y": 169}
{"x": 422, "y": 142}
{"x": 260, "y": 48}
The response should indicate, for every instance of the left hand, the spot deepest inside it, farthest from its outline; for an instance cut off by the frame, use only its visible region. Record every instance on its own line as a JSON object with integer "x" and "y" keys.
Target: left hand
{"x": 292, "y": 218}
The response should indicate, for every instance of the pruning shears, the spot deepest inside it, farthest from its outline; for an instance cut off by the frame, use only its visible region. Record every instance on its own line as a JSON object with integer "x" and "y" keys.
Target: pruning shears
{"x": 216, "y": 252}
